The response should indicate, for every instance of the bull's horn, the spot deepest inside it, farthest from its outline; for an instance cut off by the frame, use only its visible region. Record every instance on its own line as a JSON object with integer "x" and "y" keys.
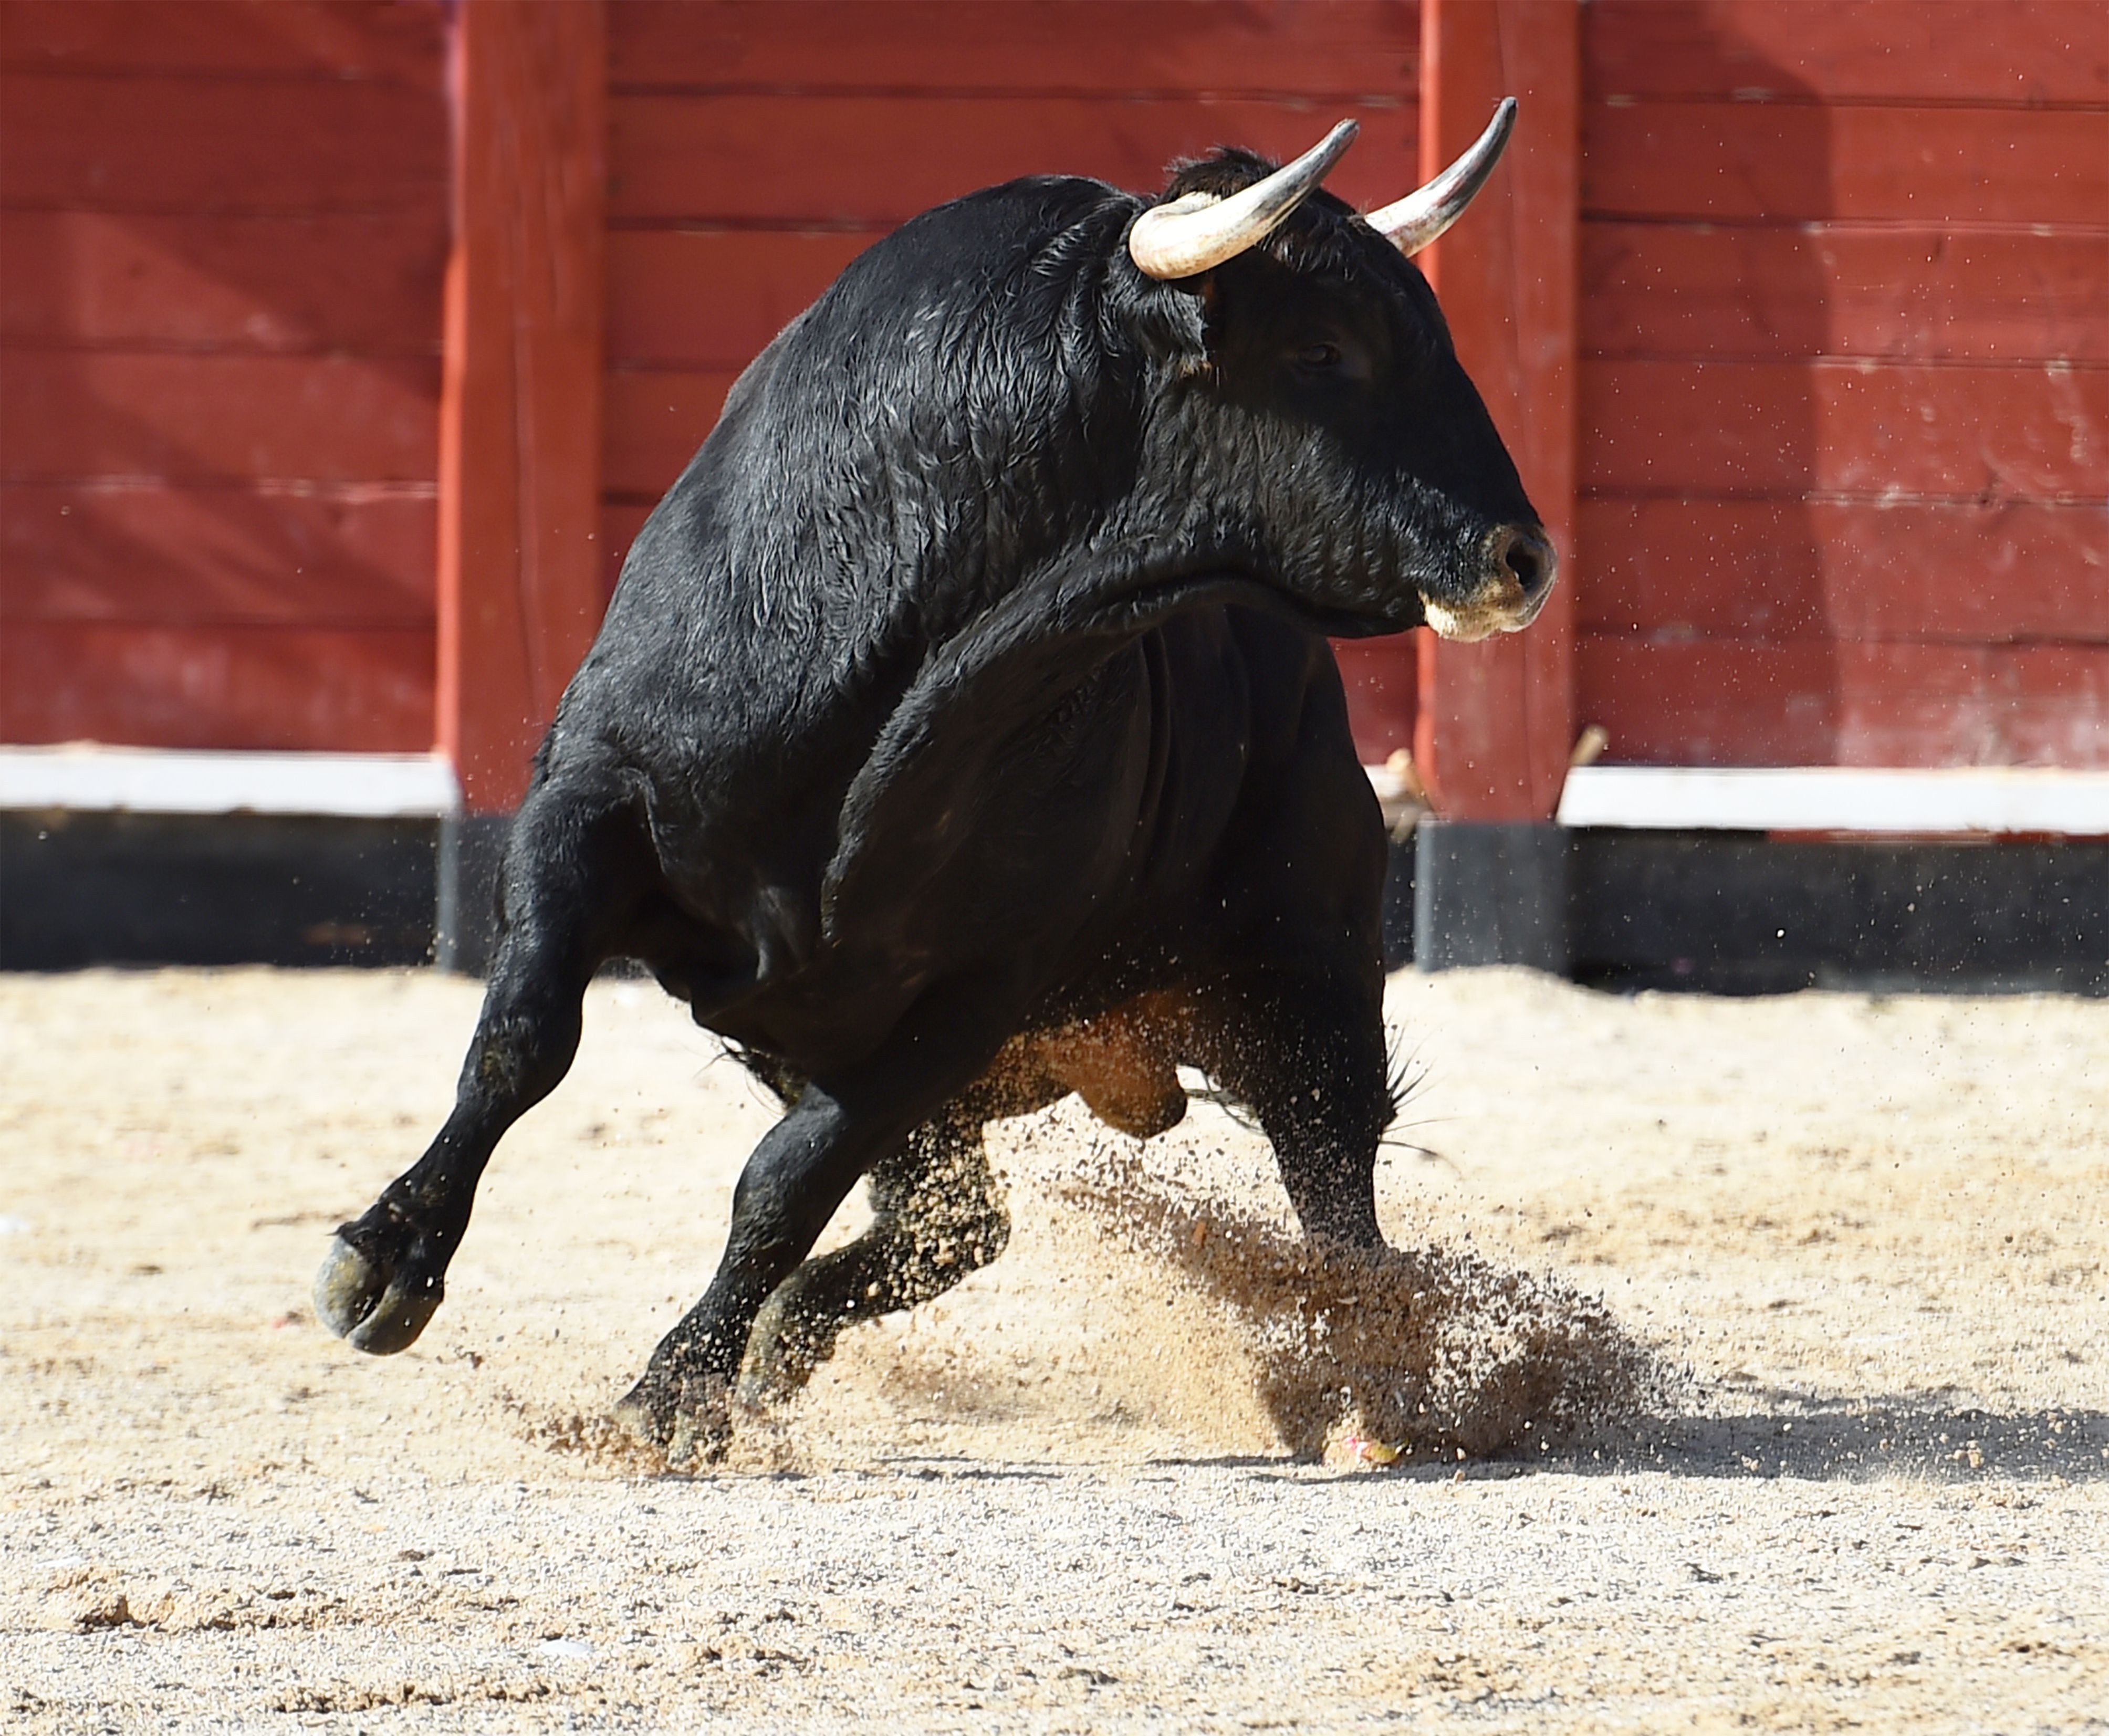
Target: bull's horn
{"x": 1415, "y": 220}
{"x": 1200, "y": 231}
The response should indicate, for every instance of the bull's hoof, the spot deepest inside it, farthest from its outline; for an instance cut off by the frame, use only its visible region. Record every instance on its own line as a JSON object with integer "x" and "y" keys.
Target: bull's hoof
{"x": 687, "y": 1417}
{"x": 378, "y": 1306}
{"x": 782, "y": 1353}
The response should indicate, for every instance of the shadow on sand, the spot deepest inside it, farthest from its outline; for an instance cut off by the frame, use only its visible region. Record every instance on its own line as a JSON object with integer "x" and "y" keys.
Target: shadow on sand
{"x": 1797, "y": 1435}
{"x": 1915, "y": 1435}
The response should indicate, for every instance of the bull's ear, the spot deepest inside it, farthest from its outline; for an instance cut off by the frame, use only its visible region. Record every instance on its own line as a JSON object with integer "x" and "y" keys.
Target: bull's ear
{"x": 1172, "y": 319}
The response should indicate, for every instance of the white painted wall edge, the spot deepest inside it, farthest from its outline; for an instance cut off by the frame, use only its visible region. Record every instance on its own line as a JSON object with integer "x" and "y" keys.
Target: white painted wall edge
{"x": 88, "y": 778}
{"x": 1960, "y": 799}
{"x": 1822, "y": 798}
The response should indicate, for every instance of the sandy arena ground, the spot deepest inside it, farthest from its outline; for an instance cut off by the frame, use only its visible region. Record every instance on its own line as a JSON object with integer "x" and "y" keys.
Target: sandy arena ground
{"x": 1868, "y": 1237}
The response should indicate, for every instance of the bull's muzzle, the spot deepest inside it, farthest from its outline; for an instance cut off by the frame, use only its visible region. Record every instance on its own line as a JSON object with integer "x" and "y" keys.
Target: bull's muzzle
{"x": 1518, "y": 566}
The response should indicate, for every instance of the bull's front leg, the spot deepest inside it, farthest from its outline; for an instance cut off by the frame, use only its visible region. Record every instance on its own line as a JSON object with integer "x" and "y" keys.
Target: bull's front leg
{"x": 1305, "y": 1053}
{"x": 564, "y": 887}
{"x": 386, "y": 1272}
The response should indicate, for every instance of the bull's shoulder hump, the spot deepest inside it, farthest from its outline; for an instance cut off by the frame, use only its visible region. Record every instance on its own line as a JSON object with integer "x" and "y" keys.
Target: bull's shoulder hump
{"x": 1010, "y": 217}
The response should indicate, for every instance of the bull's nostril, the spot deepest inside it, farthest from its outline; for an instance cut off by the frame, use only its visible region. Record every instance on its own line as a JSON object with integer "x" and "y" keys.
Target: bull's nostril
{"x": 1528, "y": 560}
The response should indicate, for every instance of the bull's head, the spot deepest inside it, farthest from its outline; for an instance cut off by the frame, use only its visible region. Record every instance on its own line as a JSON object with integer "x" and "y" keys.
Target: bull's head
{"x": 1317, "y": 371}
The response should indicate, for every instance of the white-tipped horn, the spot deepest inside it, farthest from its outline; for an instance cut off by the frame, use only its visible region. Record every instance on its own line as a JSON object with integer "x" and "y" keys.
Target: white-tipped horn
{"x": 1415, "y": 220}
{"x": 1196, "y": 232}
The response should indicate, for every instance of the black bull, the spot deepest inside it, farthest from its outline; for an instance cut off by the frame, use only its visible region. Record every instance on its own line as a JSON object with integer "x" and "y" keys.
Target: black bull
{"x": 963, "y": 733}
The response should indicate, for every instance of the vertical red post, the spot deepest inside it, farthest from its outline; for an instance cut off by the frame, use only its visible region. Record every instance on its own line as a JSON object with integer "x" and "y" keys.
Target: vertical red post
{"x": 519, "y": 575}
{"x": 1496, "y": 719}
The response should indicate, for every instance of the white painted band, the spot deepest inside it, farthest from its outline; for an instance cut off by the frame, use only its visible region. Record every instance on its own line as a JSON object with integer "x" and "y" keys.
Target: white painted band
{"x": 1962, "y": 799}
{"x": 1822, "y": 798}
{"x": 152, "y": 780}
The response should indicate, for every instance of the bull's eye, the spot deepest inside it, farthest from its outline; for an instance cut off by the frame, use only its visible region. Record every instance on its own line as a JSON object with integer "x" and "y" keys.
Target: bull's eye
{"x": 1317, "y": 358}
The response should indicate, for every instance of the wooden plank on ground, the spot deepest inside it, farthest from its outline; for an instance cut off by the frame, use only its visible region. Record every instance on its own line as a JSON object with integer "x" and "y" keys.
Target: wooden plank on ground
{"x": 144, "y": 144}
{"x": 1743, "y": 162}
{"x": 363, "y": 286}
{"x": 2035, "y": 52}
{"x": 1370, "y": 46}
{"x": 293, "y": 689}
{"x": 1736, "y": 428}
{"x": 1958, "y": 571}
{"x": 230, "y": 555}
{"x": 1836, "y": 289}
{"x": 66, "y": 415}
{"x": 863, "y": 162}
{"x": 1852, "y": 702}
{"x": 684, "y": 298}
{"x": 349, "y": 39}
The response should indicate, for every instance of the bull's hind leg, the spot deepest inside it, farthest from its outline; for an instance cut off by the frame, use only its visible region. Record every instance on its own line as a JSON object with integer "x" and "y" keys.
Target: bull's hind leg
{"x": 1306, "y": 1053}
{"x": 937, "y": 1215}
{"x": 839, "y": 1128}
{"x": 572, "y": 872}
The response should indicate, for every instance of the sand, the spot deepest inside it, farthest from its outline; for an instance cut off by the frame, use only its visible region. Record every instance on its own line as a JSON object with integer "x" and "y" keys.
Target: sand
{"x": 1826, "y": 1278}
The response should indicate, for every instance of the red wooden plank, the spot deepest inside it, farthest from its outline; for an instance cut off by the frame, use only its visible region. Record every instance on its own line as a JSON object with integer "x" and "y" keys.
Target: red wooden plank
{"x": 1708, "y": 703}
{"x": 67, "y": 415}
{"x": 1383, "y": 680}
{"x": 130, "y": 144}
{"x": 1658, "y": 290}
{"x": 361, "y": 39}
{"x": 368, "y": 286}
{"x": 264, "y": 688}
{"x": 687, "y": 298}
{"x": 619, "y": 522}
{"x": 1810, "y": 702}
{"x": 229, "y": 556}
{"x": 1688, "y": 569}
{"x": 863, "y": 162}
{"x": 654, "y": 423}
{"x": 1272, "y": 46}
{"x": 1733, "y": 428}
{"x": 1955, "y": 51}
{"x": 1737, "y": 161}
{"x": 1494, "y": 722}
{"x": 1994, "y": 704}
{"x": 520, "y": 590}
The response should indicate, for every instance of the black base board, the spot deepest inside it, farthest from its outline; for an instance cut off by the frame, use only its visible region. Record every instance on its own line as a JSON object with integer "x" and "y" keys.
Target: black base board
{"x": 1489, "y": 894}
{"x": 1740, "y": 913}
{"x": 85, "y": 889}
{"x": 1722, "y": 913}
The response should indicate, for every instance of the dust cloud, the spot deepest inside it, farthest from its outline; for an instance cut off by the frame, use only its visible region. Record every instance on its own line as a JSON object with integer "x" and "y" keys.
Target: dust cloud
{"x": 1390, "y": 1355}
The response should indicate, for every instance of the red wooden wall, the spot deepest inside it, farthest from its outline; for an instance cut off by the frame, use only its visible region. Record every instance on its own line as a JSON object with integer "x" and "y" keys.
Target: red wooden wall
{"x": 1843, "y": 326}
{"x": 1845, "y": 434}
{"x": 223, "y": 225}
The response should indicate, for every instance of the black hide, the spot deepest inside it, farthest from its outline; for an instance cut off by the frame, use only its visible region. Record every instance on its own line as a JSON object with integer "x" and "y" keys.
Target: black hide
{"x": 972, "y": 682}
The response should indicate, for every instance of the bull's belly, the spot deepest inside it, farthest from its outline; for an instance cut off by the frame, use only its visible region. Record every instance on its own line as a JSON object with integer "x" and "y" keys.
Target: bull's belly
{"x": 1123, "y": 1062}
